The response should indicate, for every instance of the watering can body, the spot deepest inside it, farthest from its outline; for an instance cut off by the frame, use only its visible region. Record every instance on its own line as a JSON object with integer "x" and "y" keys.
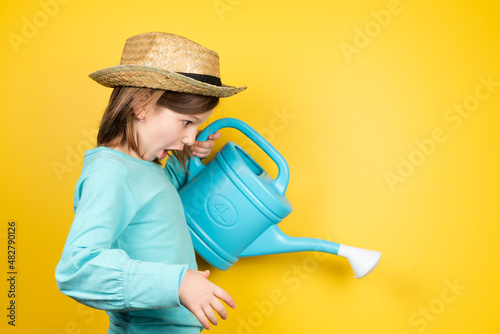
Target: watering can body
{"x": 230, "y": 201}
{"x": 233, "y": 207}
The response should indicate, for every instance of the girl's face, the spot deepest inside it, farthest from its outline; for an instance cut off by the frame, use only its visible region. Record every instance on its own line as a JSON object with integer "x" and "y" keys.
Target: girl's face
{"x": 164, "y": 130}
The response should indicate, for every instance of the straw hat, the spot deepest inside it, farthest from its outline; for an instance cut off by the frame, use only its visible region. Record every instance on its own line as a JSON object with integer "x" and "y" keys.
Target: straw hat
{"x": 166, "y": 61}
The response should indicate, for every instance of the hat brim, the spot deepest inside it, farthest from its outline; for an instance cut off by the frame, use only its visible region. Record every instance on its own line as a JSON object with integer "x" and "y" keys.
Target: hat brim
{"x": 131, "y": 75}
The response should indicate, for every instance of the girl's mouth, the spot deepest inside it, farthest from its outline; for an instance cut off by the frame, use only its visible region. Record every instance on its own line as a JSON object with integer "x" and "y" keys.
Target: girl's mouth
{"x": 163, "y": 154}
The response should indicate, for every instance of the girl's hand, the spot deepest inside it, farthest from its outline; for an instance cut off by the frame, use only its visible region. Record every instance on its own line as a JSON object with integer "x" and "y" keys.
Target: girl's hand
{"x": 201, "y": 149}
{"x": 201, "y": 297}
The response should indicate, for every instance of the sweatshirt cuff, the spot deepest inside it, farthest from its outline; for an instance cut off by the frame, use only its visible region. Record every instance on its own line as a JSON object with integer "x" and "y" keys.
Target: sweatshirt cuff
{"x": 152, "y": 285}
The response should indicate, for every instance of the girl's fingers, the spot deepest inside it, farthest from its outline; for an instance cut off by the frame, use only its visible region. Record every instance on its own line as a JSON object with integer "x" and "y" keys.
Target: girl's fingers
{"x": 200, "y": 315}
{"x": 205, "y": 273}
{"x": 219, "y": 308}
{"x": 200, "y": 151}
{"x": 200, "y": 154}
{"x": 204, "y": 144}
{"x": 223, "y": 295}
{"x": 210, "y": 314}
{"x": 214, "y": 136}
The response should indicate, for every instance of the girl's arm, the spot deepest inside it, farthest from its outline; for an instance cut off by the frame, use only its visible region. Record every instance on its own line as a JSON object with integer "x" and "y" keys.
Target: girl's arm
{"x": 94, "y": 273}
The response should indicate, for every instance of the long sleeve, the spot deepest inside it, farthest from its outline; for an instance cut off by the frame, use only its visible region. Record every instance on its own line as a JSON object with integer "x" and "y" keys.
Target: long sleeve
{"x": 92, "y": 270}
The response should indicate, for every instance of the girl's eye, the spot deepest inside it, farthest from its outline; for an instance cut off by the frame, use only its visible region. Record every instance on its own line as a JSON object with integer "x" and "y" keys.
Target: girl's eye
{"x": 186, "y": 123}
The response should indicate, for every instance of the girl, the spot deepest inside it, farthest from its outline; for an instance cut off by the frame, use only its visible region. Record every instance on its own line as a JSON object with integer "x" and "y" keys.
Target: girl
{"x": 129, "y": 250}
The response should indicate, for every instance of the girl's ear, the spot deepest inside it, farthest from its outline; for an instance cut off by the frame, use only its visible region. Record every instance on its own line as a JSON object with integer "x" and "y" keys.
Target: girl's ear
{"x": 140, "y": 113}
{"x": 142, "y": 105}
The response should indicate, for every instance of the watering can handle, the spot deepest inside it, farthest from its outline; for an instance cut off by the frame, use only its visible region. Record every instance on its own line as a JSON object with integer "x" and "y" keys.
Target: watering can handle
{"x": 281, "y": 181}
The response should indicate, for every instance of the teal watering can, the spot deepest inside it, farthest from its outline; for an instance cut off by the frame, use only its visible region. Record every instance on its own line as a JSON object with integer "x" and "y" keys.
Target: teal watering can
{"x": 233, "y": 207}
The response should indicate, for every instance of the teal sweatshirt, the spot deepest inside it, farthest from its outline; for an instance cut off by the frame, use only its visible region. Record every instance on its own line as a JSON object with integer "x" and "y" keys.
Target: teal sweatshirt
{"x": 129, "y": 245}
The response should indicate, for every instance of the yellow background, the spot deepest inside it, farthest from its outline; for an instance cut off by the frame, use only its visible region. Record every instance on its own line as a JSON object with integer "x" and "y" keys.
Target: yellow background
{"x": 351, "y": 118}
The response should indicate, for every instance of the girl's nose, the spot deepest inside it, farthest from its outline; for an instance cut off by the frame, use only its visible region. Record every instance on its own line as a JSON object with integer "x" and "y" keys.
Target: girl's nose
{"x": 190, "y": 139}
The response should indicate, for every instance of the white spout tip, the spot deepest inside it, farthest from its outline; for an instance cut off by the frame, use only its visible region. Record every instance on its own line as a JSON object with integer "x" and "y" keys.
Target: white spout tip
{"x": 362, "y": 261}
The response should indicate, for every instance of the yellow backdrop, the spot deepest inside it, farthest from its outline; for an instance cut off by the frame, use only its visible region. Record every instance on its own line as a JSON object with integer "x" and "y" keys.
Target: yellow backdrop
{"x": 387, "y": 112}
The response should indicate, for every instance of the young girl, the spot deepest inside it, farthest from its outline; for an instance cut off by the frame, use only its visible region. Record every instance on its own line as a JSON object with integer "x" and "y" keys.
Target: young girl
{"x": 129, "y": 250}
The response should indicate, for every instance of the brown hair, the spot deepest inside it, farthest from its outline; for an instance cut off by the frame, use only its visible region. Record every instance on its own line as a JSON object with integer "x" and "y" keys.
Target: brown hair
{"x": 117, "y": 126}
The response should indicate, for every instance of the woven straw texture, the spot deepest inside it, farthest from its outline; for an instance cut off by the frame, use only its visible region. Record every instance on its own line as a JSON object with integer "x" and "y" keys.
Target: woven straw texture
{"x": 152, "y": 60}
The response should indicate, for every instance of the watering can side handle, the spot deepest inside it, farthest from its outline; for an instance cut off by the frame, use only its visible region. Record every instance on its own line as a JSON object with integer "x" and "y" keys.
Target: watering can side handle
{"x": 281, "y": 181}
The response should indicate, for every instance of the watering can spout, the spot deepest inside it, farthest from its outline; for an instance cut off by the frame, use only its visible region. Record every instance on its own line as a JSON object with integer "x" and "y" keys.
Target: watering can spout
{"x": 275, "y": 241}
{"x": 362, "y": 261}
